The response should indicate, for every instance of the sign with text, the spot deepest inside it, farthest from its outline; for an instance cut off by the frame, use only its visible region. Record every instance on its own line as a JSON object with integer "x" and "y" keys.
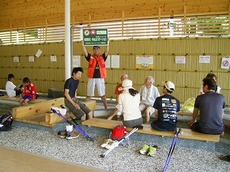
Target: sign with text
{"x": 144, "y": 62}
{"x": 93, "y": 37}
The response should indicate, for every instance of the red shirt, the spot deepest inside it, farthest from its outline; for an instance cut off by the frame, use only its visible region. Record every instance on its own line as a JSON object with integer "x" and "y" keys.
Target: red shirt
{"x": 30, "y": 90}
{"x": 117, "y": 91}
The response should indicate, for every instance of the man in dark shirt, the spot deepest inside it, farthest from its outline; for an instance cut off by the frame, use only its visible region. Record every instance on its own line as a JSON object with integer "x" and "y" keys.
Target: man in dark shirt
{"x": 211, "y": 106}
{"x": 96, "y": 72}
{"x": 166, "y": 108}
{"x": 80, "y": 110}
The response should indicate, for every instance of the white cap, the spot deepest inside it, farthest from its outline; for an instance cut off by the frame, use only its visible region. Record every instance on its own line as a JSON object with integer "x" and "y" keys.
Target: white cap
{"x": 126, "y": 84}
{"x": 169, "y": 85}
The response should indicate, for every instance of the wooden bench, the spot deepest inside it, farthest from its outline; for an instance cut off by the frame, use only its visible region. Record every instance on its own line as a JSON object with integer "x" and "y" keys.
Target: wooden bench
{"x": 40, "y": 114}
{"x": 186, "y": 133}
{"x": 17, "y": 99}
{"x": 185, "y": 113}
{"x": 52, "y": 118}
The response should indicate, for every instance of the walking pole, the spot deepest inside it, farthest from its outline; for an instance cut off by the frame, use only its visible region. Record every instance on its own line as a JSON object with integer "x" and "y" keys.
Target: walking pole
{"x": 171, "y": 150}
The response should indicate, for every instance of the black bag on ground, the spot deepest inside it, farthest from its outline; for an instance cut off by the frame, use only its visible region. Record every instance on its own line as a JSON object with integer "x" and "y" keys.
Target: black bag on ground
{"x": 6, "y": 121}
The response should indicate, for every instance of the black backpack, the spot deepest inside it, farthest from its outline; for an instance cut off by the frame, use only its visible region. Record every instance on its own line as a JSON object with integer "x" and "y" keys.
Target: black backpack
{"x": 6, "y": 121}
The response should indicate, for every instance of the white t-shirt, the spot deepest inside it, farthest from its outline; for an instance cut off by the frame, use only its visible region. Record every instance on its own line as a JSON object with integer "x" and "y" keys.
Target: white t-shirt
{"x": 10, "y": 89}
{"x": 130, "y": 105}
{"x": 149, "y": 95}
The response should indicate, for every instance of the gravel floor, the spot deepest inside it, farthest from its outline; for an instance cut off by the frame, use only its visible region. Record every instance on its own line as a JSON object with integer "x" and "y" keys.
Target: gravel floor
{"x": 188, "y": 155}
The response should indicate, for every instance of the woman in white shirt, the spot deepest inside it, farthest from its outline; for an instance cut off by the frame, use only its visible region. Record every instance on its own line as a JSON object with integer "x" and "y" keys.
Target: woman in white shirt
{"x": 11, "y": 89}
{"x": 128, "y": 102}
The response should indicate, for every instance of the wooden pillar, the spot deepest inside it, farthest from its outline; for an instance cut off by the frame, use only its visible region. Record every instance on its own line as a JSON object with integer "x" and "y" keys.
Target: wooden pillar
{"x": 122, "y": 23}
{"x": 185, "y": 19}
{"x": 89, "y": 21}
{"x": 159, "y": 21}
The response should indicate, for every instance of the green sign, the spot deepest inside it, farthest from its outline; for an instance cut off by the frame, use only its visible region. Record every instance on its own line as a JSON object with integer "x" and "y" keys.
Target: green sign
{"x": 93, "y": 37}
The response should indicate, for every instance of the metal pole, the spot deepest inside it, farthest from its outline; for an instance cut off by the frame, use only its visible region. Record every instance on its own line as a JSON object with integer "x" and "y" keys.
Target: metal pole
{"x": 67, "y": 40}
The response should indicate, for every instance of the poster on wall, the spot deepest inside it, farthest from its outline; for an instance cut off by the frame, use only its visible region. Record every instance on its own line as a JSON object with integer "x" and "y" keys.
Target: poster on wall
{"x": 38, "y": 53}
{"x": 16, "y": 59}
{"x": 204, "y": 59}
{"x": 115, "y": 61}
{"x": 180, "y": 59}
{"x": 53, "y": 58}
{"x": 225, "y": 63}
{"x": 107, "y": 62}
{"x": 93, "y": 37}
{"x": 144, "y": 62}
{"x": 31, "y": 58}
{"x": 76, "y": 61}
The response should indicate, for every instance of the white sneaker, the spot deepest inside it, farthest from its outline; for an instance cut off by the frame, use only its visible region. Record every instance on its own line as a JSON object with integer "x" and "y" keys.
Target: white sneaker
{"x": 112, "y": 144}
{"x": 107, "y": 141}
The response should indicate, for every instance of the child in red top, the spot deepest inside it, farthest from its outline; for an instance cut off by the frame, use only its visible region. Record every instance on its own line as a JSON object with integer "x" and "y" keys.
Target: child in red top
{"x": 29, "y": 92}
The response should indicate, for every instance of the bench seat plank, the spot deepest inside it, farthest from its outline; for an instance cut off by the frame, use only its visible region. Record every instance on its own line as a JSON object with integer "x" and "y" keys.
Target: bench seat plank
{"x": 186, "y": 133}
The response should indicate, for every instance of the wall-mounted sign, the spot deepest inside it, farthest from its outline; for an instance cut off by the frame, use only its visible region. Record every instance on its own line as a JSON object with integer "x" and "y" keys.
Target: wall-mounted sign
{"x": 144, "y": 62}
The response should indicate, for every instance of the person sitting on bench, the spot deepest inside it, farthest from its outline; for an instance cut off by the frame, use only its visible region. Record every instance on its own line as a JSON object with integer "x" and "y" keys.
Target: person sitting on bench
{"x": 11, "y": 89}
{"x": 117, "y": 92}
{"x": 80, "y": 110}
{"x": 211, "y": 106}
{"x": 166, "y": 108}
{"x": 29, "y": 92}
{"x": 128, "y": 102}
{"x": 148, "y": 93}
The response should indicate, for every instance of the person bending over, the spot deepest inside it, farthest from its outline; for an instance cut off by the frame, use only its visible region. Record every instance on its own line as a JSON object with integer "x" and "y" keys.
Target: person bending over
{"x": 117, "y": 92}
{"x": 128, "y": 102}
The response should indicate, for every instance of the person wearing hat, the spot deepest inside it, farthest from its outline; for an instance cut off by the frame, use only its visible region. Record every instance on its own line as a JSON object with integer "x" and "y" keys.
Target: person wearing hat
{"x": 128, "y": 102}
{"x": 166, "y": 108}
{"x": 117, "y": 92}
{"x": 96, "y": 72}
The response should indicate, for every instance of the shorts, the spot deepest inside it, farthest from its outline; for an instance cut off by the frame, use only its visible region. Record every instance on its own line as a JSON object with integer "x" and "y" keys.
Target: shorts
{"x": 143, "y": 108}
{"x": 27, "y": 97}
{"x": 133, "y": 123}
{"x": 99, "y": 83}
{"x": 77, "y": 112}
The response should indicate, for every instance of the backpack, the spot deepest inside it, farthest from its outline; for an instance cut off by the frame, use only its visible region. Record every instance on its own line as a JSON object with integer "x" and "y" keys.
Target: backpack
{"x": 6, "y": 121}
{"x": 118, "y": 132}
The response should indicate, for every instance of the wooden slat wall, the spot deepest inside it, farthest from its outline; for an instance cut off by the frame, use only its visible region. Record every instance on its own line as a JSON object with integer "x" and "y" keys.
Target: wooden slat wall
{"x": 16, "y": 14}
{"x": 187, "y": 77}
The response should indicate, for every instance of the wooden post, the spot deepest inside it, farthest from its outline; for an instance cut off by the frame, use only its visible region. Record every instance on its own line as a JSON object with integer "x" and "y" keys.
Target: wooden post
{"x": 159, "y": 20}
{"x": 24, "y": 32}
{"x": 46, "y": 30}
{"x": 10, "y": 33}
{"x": 89, "y": 21}
{"x": 185, "y": 19}
{"x": 122, "y": 24}
{"x": 229, "y": 19}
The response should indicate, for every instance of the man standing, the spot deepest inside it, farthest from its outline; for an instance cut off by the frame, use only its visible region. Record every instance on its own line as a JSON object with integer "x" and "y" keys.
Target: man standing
{"x": 166, "y": 108}
{"x": 80, "y": 110}
{"x": 211, "y": 106}
{"x": 96, "y": 72}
